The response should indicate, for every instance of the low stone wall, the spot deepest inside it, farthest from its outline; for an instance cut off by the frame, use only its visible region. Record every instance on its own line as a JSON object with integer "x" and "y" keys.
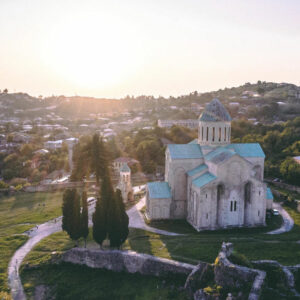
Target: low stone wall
{"x": 127, "y": 261}
{"x": 223, "y": 272}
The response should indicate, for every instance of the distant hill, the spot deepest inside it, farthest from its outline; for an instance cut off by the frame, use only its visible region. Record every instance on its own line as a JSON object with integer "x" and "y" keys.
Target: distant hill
{"x": 25, "y": 105}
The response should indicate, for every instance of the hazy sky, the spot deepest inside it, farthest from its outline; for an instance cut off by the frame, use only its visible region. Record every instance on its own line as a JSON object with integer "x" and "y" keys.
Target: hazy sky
{"x": 159, "y": 47}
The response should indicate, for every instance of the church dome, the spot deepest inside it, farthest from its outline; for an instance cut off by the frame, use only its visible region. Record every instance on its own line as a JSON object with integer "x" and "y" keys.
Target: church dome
{"x": 215, "y": 112}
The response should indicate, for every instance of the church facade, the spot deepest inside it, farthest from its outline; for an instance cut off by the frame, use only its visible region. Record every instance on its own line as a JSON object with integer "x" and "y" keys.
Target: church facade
{"x": 211, "y": 182}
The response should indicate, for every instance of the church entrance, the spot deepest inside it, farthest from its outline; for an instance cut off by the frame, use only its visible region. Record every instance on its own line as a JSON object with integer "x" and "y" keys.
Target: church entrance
{"x": 233, "y": 209}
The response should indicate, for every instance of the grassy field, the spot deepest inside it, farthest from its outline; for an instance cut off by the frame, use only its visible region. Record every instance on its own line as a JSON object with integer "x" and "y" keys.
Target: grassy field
{"x": 19, "y": 213}
{"x": 79, "y": 282}
{"x": 190, "y": 247}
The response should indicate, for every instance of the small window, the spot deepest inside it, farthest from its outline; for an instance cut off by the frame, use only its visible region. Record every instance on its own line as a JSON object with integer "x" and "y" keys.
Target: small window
{"x": 231, "y": 205}
{"x": 259, "y": 193}
{"x": 225, "y": 134}
{"x": 206, "y": 216}
{"x": 219, "y": 134}
{"x": 202, "y": 133}
{"x": 234, "y": 205}
{"x": 213, "y": 137}
{"x": 206, "y": 133}
{"x": 258, "y": 213}
{"x": 205, "y": 195}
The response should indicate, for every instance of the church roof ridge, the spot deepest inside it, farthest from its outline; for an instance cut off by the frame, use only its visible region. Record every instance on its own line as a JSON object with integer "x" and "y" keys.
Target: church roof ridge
{"x": 198, "y": 169}
{"x": 159, "y": 190}
{"x": 215, "y": 112}
{"x": 185, "y": 151}
{"x": 125, "y": 168}
{"x": 204, "y": 179}
{"x": 247, "y": 149}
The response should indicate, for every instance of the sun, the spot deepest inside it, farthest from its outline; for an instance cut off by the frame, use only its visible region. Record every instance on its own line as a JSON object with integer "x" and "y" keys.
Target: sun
{"x": 89, "y": 53}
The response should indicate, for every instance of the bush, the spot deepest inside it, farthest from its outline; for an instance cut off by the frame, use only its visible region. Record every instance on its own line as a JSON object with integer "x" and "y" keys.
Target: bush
{"x": 3, "y": 185}
{"x": 240, "y": 259}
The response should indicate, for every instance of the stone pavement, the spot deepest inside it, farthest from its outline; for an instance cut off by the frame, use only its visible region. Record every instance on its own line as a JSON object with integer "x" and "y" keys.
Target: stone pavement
{"x": 288, "y": 222}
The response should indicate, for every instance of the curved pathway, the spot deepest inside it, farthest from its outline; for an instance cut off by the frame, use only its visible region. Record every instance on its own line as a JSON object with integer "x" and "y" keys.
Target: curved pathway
{"x": 288, "y": 222}
{"x": 136, "y": 220}
{"x": 39, "y": 232}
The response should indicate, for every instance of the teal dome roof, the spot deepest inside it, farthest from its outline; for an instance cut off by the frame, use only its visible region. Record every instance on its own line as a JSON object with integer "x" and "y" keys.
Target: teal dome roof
{"x": 125, "y": 168}
{"x": 215, "y": 112}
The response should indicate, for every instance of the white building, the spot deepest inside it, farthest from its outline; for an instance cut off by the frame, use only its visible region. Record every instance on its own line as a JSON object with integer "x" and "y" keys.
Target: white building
{"x": 210, "y": 182}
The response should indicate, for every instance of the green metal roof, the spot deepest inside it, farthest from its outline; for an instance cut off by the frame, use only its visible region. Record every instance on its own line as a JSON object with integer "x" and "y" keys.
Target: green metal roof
{"x": 159, "y": 190}
{"x": 198, "y": 169}
{"x": 204, "y": 179}
{"x": 195, "y": 141}
{"x": 125, "y": 168}
{"x": 247, "y": 150}
{"x": 215, "y": 112}
{"x": 269, "y": 194}
{"x": 185, "y": 151}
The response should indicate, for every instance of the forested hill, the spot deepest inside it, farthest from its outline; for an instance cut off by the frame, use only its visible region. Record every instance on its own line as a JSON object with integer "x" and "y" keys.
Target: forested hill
{"x": 77, "y": 106}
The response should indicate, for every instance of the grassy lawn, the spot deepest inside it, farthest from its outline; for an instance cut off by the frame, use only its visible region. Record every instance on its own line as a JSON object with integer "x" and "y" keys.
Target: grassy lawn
{"x": 190, "y": 247}
{"x": 19, "y": 213}
{"x": 78, "y": 282}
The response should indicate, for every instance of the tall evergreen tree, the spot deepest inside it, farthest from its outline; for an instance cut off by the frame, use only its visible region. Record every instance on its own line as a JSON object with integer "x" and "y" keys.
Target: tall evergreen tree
{"x": 71, "y": 214}
{"x": 101, "y": 216}
{"x": 99, "y": 157}
{"x": 84, "y": 218}
{"x": 118, "y": 230}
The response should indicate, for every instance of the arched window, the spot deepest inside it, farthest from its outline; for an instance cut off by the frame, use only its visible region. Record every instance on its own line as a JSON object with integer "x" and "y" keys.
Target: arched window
{"x": 213, "y": 135}
{"x": 206, "y": 133}
{"x": 220, "y": 192}
{"x": 247, "y": 201}
{"x": 247, "y": 193}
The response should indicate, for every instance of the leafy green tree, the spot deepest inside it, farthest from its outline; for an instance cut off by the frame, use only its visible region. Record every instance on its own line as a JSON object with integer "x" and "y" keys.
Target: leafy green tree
{"x": 290, "y": 170}
{"x": 84, "y": 218}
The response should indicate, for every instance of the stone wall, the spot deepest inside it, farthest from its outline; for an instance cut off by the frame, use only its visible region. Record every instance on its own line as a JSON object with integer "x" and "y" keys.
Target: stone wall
{"x": 234, "y": 276}
{"x": 223, "y": 272}
{"x": 127, "y": 261}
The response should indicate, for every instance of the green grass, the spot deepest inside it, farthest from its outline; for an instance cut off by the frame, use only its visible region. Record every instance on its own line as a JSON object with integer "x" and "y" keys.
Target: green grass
{"x": 18, "y": 213}
{"x": 69, "y": 281}
{"x": 249, "y": 244}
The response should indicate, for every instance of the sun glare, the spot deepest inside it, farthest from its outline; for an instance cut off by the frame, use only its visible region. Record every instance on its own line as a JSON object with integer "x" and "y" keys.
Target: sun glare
{"x": 89, "y": 53}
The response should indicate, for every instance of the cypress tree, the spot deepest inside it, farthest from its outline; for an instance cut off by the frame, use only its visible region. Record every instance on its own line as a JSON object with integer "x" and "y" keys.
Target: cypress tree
{"x": 118, "y": 230}
{"x": 71, "y": 214}
{"x": 101, "y": 216}
{"x": 84, "y": 218}
{"x": 66, "y": 210}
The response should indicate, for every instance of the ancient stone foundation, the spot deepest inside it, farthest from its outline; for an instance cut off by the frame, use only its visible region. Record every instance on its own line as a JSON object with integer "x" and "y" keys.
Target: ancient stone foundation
{"x": 127, "y": 261}
{"x": 222, "y": 273}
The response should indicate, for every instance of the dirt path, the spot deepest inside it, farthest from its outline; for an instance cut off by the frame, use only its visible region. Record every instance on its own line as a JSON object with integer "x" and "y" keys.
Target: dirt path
{"x": 38, "y": 233}
{"x": 288, "y": 222}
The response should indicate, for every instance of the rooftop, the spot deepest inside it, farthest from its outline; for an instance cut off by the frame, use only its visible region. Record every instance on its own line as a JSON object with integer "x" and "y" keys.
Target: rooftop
{"x": 185, "y": 151}
{"x": 159, "y": 190}
{"x": 247, "y": 150}
{"x": 269, "y": 194}
{"x": 204, "y": 179}
{"x": 215, "y": 112}
{"x": 198, "y": 169}
{"x": 125, "y": 168}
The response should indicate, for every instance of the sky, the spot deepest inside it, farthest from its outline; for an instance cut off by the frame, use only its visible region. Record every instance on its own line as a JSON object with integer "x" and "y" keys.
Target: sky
{"x": 138, "y": 47}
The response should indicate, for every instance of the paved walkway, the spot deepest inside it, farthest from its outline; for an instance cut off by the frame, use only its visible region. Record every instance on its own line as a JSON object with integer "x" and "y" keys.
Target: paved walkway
{"x": 38, "y": 233}
{"x": 288, "y": 222}
{"x": 136, "y": 220}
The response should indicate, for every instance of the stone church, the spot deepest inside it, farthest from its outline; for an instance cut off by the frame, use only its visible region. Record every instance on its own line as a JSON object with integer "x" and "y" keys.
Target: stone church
{"x": 211, "y": 182}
